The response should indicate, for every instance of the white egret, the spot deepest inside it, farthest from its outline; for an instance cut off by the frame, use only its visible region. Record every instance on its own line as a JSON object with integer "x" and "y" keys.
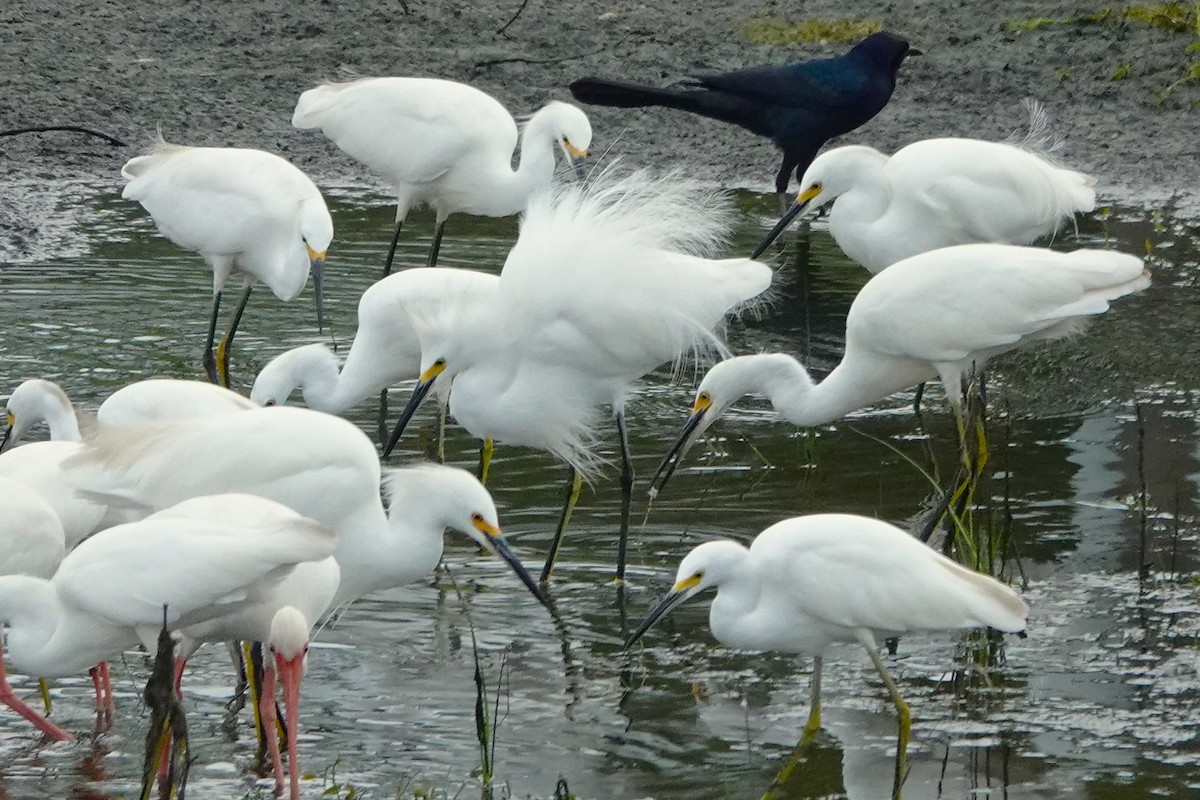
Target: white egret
{"x": 605, "y": 283}
{"x": 385, "y": 350}
{"x": 808, "y": 582}
{"x": 941, "y": 314}
{"x": 203, "y": 558}
{"x": 937, "y": 193}
{"x": 319, "y": 465}
{"x": 244, "y": 211}
{"x": 444, "y": 144}
{"x": 35, "y": 401}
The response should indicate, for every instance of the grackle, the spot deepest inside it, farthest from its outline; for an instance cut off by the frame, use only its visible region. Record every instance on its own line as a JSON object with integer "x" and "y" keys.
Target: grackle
{"x": 797, "y": 106}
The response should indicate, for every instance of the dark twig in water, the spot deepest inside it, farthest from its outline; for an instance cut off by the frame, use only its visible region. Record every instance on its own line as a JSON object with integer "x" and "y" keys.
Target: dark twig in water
{"x": 1143, "y": 556}
{"x": 69, "y": 128}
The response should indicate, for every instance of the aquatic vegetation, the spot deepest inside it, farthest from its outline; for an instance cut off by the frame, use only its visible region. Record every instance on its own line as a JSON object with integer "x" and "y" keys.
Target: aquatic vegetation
{"x": 778, "y": 32}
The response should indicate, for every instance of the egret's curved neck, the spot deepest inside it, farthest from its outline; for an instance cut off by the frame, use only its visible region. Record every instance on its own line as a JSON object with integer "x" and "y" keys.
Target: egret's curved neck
{"x": 859, "y": 207}
{"x": 377, "y": 552}
{"x": 535, "y": 169}
{"x": 31, "y": 609}
{"x": 859, "y": 380}
{"x": 60, "y": 418}
{"x": 315, "y": 371}
{"x": 737, "y": 597}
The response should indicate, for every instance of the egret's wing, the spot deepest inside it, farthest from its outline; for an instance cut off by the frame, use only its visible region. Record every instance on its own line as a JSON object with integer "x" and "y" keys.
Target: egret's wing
{"x": 409, "y": 130}
{"x": 201, "y": 558}
{"x": 943, "y": 305}
{"x": 856, "y": 572}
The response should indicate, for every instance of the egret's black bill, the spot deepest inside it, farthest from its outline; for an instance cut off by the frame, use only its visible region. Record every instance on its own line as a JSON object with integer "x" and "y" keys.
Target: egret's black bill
{"x": 664, "y": 606}
{"x": 796, "y": 210}
{"x": 501, "y": 549}
{"x": 419, "y": 391}
{"x": 317, "y": 269}
{"x": 7, "y": 434}
{"x": 674, "y": 456}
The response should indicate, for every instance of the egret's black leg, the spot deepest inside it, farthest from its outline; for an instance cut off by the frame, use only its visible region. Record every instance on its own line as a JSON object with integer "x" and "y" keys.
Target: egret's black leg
{"x": 383, "y": 418}
{"x": 437, "y": 243}
{"x": 227, "y": 339}
{"x": 574, "y": 487}
{"x": 917, "y": 398}
{"x": 626, "y": 494}
{"x": 387, "y": 266}
{"x": 210, "y": 362}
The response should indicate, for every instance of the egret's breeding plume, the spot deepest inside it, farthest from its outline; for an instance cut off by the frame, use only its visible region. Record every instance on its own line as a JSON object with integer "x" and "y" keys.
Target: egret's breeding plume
{"x": 799, "y": 106}
{"x": 443, "y": 144}
{"x": 246, "y": 212}
{"x": 937, "y": 193}
{"x": 607, "y": 281}
{"x": 809, "y": 582}
{"x": 941, "y": 314}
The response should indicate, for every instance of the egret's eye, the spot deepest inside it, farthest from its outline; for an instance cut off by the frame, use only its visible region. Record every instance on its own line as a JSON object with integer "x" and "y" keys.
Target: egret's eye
{"x": 699, "y": 576}
{"x": 705, "y": 397}
{"x": 566, "y": 141}
{"x": 441, "y": 362}
{"x": 477, "y": 517}
{"x": 269, "y": 402}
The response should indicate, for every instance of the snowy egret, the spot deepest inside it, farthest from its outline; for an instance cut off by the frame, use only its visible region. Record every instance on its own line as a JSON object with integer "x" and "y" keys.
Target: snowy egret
{"x": 385, "y": 350}
{"x": 797, "y": 106}
{"x": 35, "y": 401}
{"x": 937, "y": 193}
{"x": 242, "y": 210}
{"x": 940, "y": 314}
{"x": 606, "y": 282}
{"x": 808, "y": 582}
{"x": 319, "y": 465}
{"x": 443, "y": 143}
{"x": 205, "y": 557}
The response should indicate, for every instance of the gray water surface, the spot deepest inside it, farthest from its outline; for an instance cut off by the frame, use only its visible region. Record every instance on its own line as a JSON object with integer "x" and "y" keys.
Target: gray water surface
{"x": 1102, "y": 700}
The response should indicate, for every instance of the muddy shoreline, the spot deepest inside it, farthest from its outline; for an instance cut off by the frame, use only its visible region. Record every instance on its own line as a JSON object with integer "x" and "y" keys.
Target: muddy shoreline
{"x": 229, "y": 73}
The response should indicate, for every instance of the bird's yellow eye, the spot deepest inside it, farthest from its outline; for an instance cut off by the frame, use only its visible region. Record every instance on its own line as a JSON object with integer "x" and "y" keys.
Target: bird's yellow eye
{"x": 703, "y": 402}
{"x": 809, "y": 193}
{"x": 477, "y": 517}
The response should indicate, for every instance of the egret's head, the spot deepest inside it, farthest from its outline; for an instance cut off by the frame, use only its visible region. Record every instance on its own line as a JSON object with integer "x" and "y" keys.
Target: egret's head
{"x": 454, "y": 499}
{"x": 33, "y": 401}
{"x": 297, "y": 368}
{"x": 726, "y": 383}
{"x": 572, "y": 128}
{"x": 706, "y": 566}
{"x": 831, "y": 174}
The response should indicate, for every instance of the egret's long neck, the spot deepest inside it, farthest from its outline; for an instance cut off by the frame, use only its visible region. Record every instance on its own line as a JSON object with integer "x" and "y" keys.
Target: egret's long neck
{"x": 30, "y": 607}
{"x": 61, "y": 419}
{"x": 737, "y": 597}
{"x": 859, "y": 380}
{"x": 315, "y": 371}
{"x": 857, "y": 209}
{"x": 536, "y": 167}
{"x": 378, "y": 552}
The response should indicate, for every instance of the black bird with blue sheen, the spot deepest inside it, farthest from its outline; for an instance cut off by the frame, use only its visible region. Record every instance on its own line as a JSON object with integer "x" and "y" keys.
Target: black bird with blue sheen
{"x": 797, "y": 106}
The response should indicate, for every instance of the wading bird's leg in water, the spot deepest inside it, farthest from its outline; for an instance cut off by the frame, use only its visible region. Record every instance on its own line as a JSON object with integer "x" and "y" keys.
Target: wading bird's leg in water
{"x": 441, "y": 433}
{"x": 383, "y": 418}
{"x": 387, "y": 266}
{"x": 238, "y": 701}
{"x": 575, "y": 485}
{"x": 811, "y": 729}
{"x": 210, "y": 362}
{"x": 626, "y": 494}
{"x": 485, "y": 459}
{"x": 437, "y": 242}
{"x": 166, "y": 741}
{"x": 905, "y": 715}
{"x": 227, "y": 339}
{"x": 254, "y": 677}
{"x": 10, "y": 699}
{"x": 44, "y": 690}
{"x": 917, "y": 399}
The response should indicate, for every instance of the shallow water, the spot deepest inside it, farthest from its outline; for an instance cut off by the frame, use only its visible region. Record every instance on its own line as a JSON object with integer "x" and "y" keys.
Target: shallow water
{"x": 1102, "y": 699}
